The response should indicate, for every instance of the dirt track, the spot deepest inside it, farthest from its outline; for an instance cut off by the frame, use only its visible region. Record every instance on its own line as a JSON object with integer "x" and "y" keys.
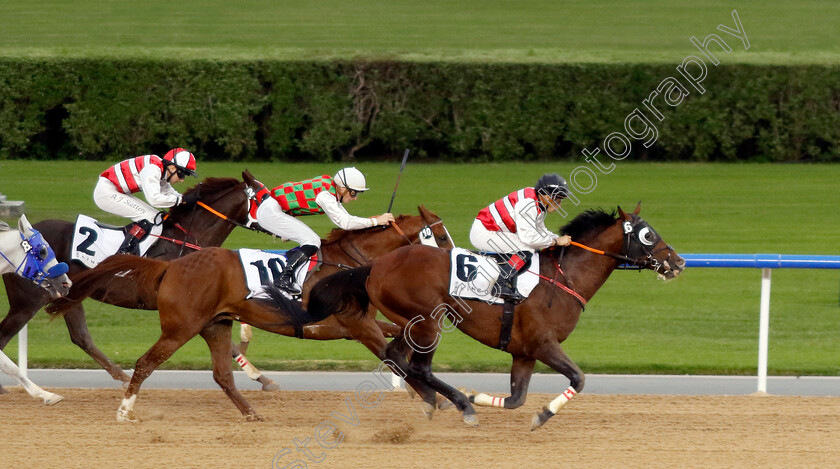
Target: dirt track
{"x": 203, "y": 429}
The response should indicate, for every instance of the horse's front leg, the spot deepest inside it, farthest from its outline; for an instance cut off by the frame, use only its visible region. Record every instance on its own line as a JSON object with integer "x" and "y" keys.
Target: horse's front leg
{"x": 25, "y": 300}
{"x": 171, "y": 339}
{"x": 217, "y": 336}
{"x": 10, "y": 368}
{"x": 520, "y": 378}
{"x": 554, "y": 356}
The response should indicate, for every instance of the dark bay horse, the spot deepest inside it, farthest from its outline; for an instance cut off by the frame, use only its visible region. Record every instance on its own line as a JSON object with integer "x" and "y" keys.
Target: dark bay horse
{"x": 207, "y": 289}
{"x": 418, "y": 303}
{"x": 191, "y": 225}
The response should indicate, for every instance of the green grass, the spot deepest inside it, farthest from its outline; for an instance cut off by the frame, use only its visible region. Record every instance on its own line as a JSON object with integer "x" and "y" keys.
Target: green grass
{"x": 704, "y": 322}
{"x": 544, "y": 31}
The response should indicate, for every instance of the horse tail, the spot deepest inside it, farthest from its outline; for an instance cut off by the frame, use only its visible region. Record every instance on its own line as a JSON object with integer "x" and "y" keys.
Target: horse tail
{"x": 145, "y": 275}
{"x": 343, "y": 292}
{"x": 340, "y": 292}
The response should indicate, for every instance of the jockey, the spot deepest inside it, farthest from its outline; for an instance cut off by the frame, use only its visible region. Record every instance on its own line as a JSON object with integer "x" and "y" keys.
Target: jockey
{"x": 278, "y": 208}
{"x": 516, "y": 223}
{"x": 148, "y": 174}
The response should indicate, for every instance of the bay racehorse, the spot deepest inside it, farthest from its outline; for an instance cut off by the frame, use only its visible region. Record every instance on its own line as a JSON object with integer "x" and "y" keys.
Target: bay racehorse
{"x": 220, "y": 295}
{"x": 25, "y": 254}
{"x": 185, "y": 226}
{"x": 410, "y": 286}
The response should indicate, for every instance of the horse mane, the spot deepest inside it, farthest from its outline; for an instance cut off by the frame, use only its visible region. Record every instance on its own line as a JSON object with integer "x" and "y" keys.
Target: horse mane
{"x": 337, "y": 234}
{"x": 587, "y": 221}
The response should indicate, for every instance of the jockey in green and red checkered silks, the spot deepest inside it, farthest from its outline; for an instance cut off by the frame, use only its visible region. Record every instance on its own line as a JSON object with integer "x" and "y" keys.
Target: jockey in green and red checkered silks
{"x": 298, "y": 198}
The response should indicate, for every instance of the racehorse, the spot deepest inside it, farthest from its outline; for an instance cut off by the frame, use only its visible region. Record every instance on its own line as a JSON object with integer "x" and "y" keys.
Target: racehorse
{"x": 26, "y": 254}
{"x": 419, "y": 304}
{"x": 184, "y": 227}
{"x": 202, "y": 292}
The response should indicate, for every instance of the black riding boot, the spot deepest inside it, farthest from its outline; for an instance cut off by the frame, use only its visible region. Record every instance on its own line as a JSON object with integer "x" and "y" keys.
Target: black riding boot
{"x": 134, "y": 233}
{"x": 295, "y": 259}
{"x": 506, "y": 283}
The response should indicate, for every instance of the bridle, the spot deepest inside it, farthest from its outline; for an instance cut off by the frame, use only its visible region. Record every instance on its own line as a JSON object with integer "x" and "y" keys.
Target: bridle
{"x": 635, "y": 252}
{"x": 637, "y": 248}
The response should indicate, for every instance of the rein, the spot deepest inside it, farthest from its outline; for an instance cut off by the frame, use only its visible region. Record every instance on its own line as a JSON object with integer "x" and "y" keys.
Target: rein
{"x": 223, "y": 216}
{"x": 209, "y": 209}
{"x": 400, "y": 231}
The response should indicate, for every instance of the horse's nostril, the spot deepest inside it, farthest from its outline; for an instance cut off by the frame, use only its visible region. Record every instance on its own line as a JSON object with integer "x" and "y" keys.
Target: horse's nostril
{"x": 680, "y": 262}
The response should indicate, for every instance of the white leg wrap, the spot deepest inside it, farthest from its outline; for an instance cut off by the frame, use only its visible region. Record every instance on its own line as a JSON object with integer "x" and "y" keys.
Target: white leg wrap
{"x": 561, "y": 400}
{"x": 247, "y": 367}
{"x": 488, "y": 401}
{"x": 245, "y": 332}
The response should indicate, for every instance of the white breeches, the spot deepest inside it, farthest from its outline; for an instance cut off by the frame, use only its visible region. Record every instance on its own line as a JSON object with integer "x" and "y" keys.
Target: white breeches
{"x": 272, "y": 217}
{"x": 110, "y": 200}
{"x": 496, "y": 241}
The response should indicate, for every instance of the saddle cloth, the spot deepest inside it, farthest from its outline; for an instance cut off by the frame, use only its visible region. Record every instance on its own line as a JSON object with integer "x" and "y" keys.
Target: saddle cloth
{"x": 472, "y": 276}
{"x": 93, "y": 241}
{"x": 262, "y": 267}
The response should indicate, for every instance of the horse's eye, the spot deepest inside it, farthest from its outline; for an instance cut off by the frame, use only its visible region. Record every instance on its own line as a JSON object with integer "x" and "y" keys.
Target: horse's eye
{"x": 43, "y": 252}
{"x": 646, "y": 236}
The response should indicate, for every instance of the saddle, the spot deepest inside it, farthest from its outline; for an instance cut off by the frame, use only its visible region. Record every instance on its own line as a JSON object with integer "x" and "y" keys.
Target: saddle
{"x": 510, "y": 266}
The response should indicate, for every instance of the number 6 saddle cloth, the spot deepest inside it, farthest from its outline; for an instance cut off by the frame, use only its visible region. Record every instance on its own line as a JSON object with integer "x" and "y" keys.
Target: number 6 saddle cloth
{"x": 473, "y": 275}
{"x": 94, "y": 241}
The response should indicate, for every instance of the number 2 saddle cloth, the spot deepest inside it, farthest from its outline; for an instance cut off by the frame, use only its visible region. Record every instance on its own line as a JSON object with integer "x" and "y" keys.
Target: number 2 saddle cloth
{"x": 94, "y": 241}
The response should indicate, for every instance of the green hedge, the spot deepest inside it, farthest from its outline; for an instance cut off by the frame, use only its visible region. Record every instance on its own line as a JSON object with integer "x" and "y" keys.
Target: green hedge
{"x": 270, "y": 110}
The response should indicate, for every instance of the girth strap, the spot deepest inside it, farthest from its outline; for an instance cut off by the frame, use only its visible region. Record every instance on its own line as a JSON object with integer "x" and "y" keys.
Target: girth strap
{"x": 507, "y": 324}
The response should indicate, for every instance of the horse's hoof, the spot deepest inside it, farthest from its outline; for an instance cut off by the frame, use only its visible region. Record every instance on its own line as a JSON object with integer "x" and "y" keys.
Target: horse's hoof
{"x": 428, "y": 410}
{"x": 540, "y": 418}
{"x": 443, "y": 403}
{"x": 3, "y": 390}
{"x": 411, "y": 392}
{"x": 470, "y": 419}
{"x": 252, "y": 417}
{"x": 52, "y": 399}
{"x": 268, "y": 385}
{"x": 126, "y": 416}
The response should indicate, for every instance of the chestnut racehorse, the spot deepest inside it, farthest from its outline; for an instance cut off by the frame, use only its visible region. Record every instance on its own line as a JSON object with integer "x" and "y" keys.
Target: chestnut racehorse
{"x": 191, "y": 225}
{"x": 410, "y": 286}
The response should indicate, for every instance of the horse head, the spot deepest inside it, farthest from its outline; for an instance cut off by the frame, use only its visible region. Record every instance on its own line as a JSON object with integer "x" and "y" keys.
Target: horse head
{"x": 36, "y": 261}
{"x": 438, "y": 231}
{"x": 644, "y": 247}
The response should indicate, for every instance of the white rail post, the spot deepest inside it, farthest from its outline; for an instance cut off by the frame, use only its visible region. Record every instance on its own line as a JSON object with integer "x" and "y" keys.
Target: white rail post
{"x": 23, "y": 347}
{"x": 763, "y": 330}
